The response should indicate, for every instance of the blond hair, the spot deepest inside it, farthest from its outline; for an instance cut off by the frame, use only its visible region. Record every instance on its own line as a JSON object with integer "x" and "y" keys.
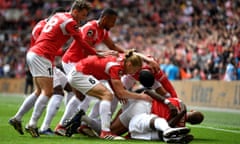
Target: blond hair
{"x": 134, "y": 59}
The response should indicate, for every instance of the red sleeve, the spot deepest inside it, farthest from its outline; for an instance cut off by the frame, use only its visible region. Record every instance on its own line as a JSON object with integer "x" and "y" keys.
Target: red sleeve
{"x": 35, "y": 33}
{"x": 162, "y": 110}
{"x": 74, "y": 31}
{"x": 115, "y": 72}
{"x": 161, "y": 77}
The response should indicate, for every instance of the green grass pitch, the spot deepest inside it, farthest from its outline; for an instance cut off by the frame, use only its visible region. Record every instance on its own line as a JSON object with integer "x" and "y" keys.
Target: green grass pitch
{"x": 219, "y": 127}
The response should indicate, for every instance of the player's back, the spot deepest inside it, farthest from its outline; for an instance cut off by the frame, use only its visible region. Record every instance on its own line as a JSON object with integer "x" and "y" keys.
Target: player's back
{"x": 37, "y": 31}
{"x": 97, "y": 66}
{"x": 55, "y": 34}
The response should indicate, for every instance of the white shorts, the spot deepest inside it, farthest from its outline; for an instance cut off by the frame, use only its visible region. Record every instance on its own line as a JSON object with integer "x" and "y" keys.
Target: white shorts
{"x": 39, "y": 66}
{"x": 81, "y": 82}
{"x": 139, "y": 127}
{"x": 68, "y": 67}
{"x": 136, "y": 107}
{"x": 59, "y": 78}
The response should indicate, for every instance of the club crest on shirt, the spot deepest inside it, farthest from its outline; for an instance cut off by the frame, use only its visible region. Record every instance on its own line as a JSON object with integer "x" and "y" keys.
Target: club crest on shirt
{"x": 90, "y": 33}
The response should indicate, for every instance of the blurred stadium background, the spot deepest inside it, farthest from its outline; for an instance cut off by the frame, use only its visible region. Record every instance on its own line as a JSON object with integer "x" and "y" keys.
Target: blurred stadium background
{"x": 198, "y": 36}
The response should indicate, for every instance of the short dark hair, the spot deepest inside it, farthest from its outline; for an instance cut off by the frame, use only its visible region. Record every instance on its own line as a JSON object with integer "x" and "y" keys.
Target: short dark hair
{"x": 108, "y": 11}
{"x": 146, "y": 78}
{"x": 195, "y": 117}
{"x": 80, "y": 5}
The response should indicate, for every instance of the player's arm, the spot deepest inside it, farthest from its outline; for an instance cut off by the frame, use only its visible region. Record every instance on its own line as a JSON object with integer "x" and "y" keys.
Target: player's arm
{"x": 111, "y": 45}
{"x": 164, "y": 100}
{"x": 74, "y": 31}
{"x": 176, "y": 119}
{"x": 85, "y": 45}
{"x": 160, "y": 90}
{"x": 122, "y": 93}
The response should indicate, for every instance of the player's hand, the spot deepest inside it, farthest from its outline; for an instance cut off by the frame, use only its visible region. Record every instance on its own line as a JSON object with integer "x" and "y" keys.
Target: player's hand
{"x": 145, "y": 97}
{"x": 123, "y": 100}
{"x": 173, "y": 110}
{"x": 107, "y": 53}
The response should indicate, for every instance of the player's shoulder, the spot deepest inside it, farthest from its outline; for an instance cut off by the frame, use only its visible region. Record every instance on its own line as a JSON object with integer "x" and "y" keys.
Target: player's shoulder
{"x": 63, "y": 16}
{"x": 90, "y": 25}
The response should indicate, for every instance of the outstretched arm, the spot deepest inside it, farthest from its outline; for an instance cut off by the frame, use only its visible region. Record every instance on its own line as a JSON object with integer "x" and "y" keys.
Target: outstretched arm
{"x": 176, "y": 119}
{"x": 122, "y": 93}
{"x": 112, "y": 46}
{"x": 160, "y": 98}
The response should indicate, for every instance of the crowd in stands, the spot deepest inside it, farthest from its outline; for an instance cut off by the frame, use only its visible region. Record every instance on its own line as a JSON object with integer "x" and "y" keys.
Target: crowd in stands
{"x": 191, "y": 39}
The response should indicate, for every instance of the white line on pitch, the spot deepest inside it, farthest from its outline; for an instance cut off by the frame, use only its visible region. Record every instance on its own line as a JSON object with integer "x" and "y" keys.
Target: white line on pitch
{"x": 218, "y": 129}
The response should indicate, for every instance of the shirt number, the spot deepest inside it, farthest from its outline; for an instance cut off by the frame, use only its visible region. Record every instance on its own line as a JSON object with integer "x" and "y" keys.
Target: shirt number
{"x": 92, "y": 81}
{"x": 50, "y": 24}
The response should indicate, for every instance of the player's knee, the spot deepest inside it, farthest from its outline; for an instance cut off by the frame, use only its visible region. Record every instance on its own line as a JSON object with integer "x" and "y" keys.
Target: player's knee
{"x": 79, "y": 95}
{"x": 68, "y": 87}
{"x": 58, "y": 90}
{"x": 47, "y": 92}
{"x": 37, "y": 92}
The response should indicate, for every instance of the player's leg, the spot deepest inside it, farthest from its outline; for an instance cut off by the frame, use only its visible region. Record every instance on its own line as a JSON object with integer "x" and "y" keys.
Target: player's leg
{"x": 160, "y": 124}
{"x": 91, "y": 126}
{"x": 42, "y": 71}
{"x": 59, "y": 82}
{"x": 47, "y": 88}
{"x": 92, "y": 87}
{"x": 52, "y": 108}
{"x": 84, "y": 128}
{"x": 71, "y": 108}
{"x": 149, "y": 127}
{"x": 105, "y": 95}
{"x": 67, "y": 67}
{"x": 118, "y": 127}
{"x": 133, "y": 107}
{"x": 69, "y": 93}
{"x": 28, "y": 103}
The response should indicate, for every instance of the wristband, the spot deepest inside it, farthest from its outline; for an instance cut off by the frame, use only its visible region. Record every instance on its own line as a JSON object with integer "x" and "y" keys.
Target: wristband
{"x": 167, "y": 95}
{"x": 166, "y": 101}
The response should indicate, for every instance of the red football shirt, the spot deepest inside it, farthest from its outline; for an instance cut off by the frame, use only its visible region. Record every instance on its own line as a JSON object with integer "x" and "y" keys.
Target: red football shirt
{"x": 162, "y": 110}
{"x": 37, "y": 31}
{"x": 102, "y": 68}
{"x": 55, "y": 34}
{"x": 91, "y": 33}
